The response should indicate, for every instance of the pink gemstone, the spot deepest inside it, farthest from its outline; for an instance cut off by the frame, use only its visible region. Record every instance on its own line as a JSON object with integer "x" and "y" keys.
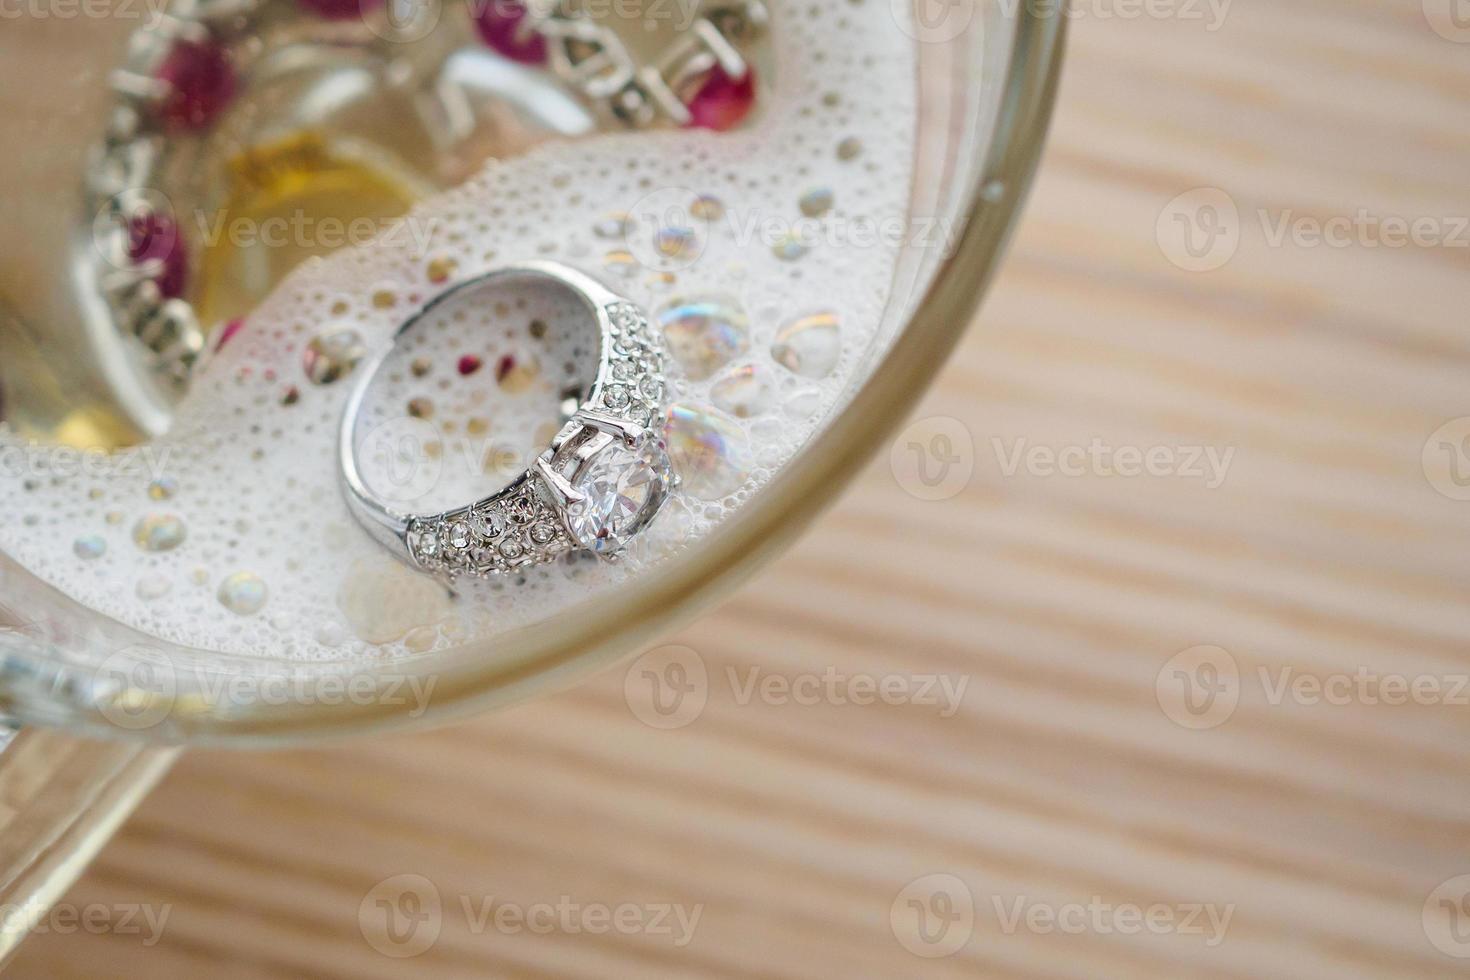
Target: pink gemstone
{"x": 722, "y": 101}
{"x": 469, "y": 364}
{"x": 230, "y": 329}
{"x": 499, "y": 24}
{"x": 154, "y": 236}
{"x": 203, "y": 83}
{"x": 503, "y": 368}
{"x": 339, "y": 9}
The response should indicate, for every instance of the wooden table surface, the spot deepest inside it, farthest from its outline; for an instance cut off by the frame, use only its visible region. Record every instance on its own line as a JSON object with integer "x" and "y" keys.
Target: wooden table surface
{"x": 1280, "y": 816}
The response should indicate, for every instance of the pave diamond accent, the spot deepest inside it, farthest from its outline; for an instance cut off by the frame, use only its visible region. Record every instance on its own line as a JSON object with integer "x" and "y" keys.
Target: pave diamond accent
{"x": 514, "y": 529}
{"x": 637, "y": 365}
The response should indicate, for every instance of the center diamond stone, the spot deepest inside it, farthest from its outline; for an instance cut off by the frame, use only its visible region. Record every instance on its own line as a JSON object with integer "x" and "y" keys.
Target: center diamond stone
{"x": 622, "y": 490}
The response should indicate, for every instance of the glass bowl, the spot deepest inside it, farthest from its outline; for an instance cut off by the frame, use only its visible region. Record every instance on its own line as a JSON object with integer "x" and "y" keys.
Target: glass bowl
{"x": 986, "y": 86}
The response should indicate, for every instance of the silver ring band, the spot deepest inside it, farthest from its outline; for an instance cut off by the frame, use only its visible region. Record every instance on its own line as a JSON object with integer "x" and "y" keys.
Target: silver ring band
{"x": 596, "y": 487}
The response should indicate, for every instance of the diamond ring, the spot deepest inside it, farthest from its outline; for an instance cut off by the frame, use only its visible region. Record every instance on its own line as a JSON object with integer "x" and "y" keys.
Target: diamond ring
{"x": 595, "y": 488}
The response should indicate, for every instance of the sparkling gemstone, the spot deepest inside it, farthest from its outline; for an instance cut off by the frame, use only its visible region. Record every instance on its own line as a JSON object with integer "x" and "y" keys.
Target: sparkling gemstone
{"x": 89, "y": 546}
{"x": 721, "y": 101}
{"x": 521, "y": 510}
{"x": 704, "y": 333}
{"x": 542, "y": 533}
{"x": 511, "y": 548}
{"x": 203, "y": 84}
{"x": 459, "y": 535}
{"x": 651, "y": 388}
{"x": 156, "y": 236}
{"x": 488, "y": 524}
{"x": 616, "y": 396}
{"x": 159, "y": 532}
{"x": 243, "y": 593}
{"x": 469, "y": 364}
{"x": 501, "y": 26}
{"x": 816, "y": 202}
{"x": 428, "y": 544}
{"x": 333, "y": 354}
{"x": 629, "y": 345}
{"x": 744, "y": 392}
{"x": 622, "y": 489}
{"x": 809, "y": 346}
{"x": 710, "y": 453}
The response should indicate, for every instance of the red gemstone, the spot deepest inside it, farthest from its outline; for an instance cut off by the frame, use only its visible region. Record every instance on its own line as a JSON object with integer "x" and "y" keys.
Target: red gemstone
{"x": 469, "y": 364}
{"x": 230, "y": 329}
{"x": 203, "y": 82}
{"x": 154, "y": 236}
{"x": 722, "y": 101}
{"x": 339, "y": 9}
{"x": 499, "y": 24}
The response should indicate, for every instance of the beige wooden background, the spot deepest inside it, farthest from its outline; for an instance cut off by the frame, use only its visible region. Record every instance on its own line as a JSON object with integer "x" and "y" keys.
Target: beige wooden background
{"x": 1327, "y": 551}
